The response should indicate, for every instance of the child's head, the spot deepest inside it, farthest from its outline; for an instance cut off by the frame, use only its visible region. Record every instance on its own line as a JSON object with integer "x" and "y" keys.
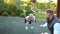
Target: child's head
{"x": 31, "y": 15}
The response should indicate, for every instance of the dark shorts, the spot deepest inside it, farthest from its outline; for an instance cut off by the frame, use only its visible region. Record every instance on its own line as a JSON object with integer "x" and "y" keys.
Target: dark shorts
{"x": 30, "y": 21}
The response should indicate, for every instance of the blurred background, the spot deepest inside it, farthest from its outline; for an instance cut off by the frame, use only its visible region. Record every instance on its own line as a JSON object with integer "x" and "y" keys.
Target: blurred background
{"x": 21, "y": 8}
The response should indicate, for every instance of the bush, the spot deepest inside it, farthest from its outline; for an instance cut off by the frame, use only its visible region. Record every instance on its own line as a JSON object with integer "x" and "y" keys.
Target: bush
{"x": 19, "y": 11}
{"x": 22, "y": 15}
{"x": 28, "y": 12}
{"x": 13, "y": 14}
{"x": 5, "y": 14}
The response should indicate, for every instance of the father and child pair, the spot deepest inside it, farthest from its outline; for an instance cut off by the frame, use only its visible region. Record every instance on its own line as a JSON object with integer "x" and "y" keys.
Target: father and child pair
{"x": 52, "y": 23}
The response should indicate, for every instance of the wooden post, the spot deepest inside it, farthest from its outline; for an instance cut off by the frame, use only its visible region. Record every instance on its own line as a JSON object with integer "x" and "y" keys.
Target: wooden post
{"x": 58, "y": 8}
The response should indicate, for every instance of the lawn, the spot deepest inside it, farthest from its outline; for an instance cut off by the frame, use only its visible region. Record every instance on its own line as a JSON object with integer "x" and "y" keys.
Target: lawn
{"x": 40, "y": 15}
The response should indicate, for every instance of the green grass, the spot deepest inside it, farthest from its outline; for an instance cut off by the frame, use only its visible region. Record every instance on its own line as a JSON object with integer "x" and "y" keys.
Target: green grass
{"x": 40, "y": 15}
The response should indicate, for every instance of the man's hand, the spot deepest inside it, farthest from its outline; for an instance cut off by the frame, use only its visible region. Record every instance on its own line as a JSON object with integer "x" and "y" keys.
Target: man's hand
{"x": 41, "y": 26}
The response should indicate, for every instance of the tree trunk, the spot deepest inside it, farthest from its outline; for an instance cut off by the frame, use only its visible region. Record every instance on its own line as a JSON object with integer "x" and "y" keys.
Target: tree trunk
{"x": 58, "y": 8}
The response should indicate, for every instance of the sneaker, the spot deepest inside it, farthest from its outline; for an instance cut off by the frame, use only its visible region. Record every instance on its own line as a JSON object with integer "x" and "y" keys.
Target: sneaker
{"x": 26, "y": 28}
{"x": 31, "y": 27}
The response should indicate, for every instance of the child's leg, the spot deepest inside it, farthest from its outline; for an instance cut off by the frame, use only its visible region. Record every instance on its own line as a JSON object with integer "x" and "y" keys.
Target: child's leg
{"x": 27, "y": 25}
{"x": 32, "y": 25}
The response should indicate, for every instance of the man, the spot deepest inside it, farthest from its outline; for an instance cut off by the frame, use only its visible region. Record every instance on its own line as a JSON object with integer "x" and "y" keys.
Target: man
{"x": 53, "y": 23}
{"x": 30, "y": 19}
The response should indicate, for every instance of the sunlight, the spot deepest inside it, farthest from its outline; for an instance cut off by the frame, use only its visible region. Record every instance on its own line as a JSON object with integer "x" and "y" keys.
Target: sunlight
{"x": 26, "y": 1}
{"x": 42, "y": 1}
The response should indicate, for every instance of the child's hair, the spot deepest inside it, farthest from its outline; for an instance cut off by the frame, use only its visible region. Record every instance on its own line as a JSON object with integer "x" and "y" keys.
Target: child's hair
{"x": 31, "y": 14}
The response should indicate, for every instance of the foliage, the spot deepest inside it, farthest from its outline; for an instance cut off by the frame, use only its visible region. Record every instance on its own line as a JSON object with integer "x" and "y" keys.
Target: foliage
{"x": 9, "y": 7}
{"x": 19, "y": 11}
{"x": 22, "y": 15}
{"x": 16, "y": 7}
{"x": 28, "y": 11}
{"x": 13, "y": 14}
{"x": 40, "y": 15}
{"x": 5, "y": 13}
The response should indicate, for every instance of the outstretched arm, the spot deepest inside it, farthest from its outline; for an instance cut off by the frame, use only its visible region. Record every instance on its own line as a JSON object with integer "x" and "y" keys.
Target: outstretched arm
{"x": 44, "y": 25}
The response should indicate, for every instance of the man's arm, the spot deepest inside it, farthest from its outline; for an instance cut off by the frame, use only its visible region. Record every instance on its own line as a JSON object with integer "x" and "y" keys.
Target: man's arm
{"x": 57, "y": 28}
{"x": 44, "y": 25}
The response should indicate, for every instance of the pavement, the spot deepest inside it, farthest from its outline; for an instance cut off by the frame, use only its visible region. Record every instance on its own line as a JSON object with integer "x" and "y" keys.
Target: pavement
{"x": 16, "y": 25}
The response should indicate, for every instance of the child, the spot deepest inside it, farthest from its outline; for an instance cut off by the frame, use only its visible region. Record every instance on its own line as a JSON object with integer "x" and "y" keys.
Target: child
{"x": 30, "y": 19}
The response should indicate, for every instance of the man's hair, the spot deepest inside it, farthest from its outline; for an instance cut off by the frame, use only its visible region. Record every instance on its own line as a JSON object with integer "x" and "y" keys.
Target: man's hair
{"x": 50, "y": 11}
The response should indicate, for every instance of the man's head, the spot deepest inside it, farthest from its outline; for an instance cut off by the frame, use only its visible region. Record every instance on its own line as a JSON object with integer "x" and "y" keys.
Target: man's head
{"x": 49, "y": 13}
{"x": 31, "y": 15}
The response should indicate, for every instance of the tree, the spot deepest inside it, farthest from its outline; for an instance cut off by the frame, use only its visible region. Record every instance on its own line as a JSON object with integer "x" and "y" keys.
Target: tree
{"x": 33, "y": 1}
{"x": 2, "y": 5}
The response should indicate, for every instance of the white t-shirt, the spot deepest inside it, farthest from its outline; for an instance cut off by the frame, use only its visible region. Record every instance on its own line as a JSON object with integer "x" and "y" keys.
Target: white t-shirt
{"x": 33, "y": 18}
